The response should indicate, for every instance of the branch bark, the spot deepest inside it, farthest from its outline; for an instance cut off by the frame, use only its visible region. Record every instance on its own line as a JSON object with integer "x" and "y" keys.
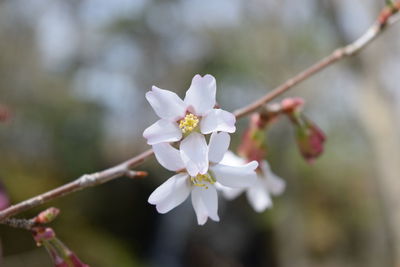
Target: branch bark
{"x": 386, "y": 17}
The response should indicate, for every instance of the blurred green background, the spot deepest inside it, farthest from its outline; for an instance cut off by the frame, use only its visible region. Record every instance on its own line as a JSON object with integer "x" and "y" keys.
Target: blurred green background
{"x": 74, "y": 74}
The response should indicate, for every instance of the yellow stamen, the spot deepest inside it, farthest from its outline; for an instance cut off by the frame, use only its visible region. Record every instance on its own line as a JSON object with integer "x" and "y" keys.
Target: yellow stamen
{"x": 189, "y": 123}
{"x": 201, "y": 179}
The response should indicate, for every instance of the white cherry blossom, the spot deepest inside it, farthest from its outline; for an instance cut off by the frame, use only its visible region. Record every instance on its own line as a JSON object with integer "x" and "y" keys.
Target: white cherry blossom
{"x": 198, "y": 169}
{"x": 259, "y": 194}
{"x": 196, "y": 113}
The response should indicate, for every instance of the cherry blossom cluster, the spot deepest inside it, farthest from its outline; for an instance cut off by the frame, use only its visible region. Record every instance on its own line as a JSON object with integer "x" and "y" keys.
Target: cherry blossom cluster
{"x": 191, "y": 138}
{"x": 179, "y": 140}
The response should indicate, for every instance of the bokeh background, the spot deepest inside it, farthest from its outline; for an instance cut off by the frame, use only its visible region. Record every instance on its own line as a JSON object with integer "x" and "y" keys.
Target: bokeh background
{"x": 73, "y": 75}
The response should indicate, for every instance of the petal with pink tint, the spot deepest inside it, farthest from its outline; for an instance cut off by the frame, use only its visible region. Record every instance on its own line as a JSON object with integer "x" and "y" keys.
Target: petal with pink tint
{"x": 218, "y": 145}
{"x": 200, "y": 97}
{"x": 205, "y": 203}
{"x": 218, "y": 120}
{"x": 236, "y": 176}
{"x": 273, "y": 182}
{"x": 162, "y": 131}
{"x": 168, "y": 156}
{"x": 171, "y": 193}
{"x": 194, "y": 153}
{"x": 258, "y": 196}
{"x": 166, "y": 104}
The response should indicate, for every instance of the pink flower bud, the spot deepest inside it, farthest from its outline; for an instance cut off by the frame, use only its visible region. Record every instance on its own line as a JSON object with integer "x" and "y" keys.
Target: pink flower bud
{"x": 253, "y": 145}
{"x": 47, "y": 216}
{"x": 42, "y": 234}
{"x": 289, "y": 105}
{"x": 4, "y": 113}
{"x": 310, "y": 139}
{"x": 61, "y": 255}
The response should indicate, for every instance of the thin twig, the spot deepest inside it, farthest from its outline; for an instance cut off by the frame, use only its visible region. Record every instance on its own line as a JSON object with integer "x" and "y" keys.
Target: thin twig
{"x": 44, "y": 217}
{"x": 385, "y": 18}
{"x": 26, "y": 224}
{"x": 87, "y": 180}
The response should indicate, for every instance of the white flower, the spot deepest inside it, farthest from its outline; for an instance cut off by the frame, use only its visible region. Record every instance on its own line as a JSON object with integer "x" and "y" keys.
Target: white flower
{"x": 258, "y": 195}
{"x": 195, "y": 112}
{"x": 198, "y": 170}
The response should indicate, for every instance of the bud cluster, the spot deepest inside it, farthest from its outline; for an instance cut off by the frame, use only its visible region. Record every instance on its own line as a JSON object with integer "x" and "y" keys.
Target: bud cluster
{"x": 61, "y": 255}
{"x": 309, "y": 137}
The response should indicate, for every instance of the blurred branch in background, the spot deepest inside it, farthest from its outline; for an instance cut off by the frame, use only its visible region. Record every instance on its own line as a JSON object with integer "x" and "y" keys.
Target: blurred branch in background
{"x": 377, "y": 115}
{"x": 386, "y": 17}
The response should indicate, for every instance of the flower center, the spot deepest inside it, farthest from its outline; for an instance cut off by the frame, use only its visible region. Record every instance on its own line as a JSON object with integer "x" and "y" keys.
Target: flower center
{"x": 189, "y": 123}
{"x": 201, "y": 179}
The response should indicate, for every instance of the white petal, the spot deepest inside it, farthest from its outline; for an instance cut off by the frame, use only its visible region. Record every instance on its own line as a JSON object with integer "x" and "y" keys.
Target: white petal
{"x": 166, "y": 104}
{"x": 275, "y": 184}
{"x": 218, "y": 120}
{"x": 162, "y": 131}
{"x": 194, "y": 153}
{"x": 219, "y": 143}
{"x": 235, "y": 176}
{"x": 205, "y": 203}
{"x": 168, "y": 156}
{"x": 171, "y": 193}
{"x": 165, "y": 189}
{"x": 232, "y": 159}
{"x": 200, "y": 97}
{"x": 258, "y": 196}
{"x": 228, "y": 192}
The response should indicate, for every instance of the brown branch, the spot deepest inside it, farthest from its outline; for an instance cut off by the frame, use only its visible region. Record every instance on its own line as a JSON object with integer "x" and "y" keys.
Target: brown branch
{"x": 385, "y": 18}
{"x": 87, "y": 180}
{"x": 26, "y": 224}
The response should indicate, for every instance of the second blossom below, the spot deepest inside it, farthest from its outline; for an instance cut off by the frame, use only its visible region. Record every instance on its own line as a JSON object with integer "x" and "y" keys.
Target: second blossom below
{"x": 259, "y": 194}
{"x": 199, "y": 169}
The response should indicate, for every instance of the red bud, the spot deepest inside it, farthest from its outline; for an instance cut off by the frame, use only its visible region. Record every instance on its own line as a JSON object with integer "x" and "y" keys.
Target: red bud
{"x": 253, "y": 145}
{"x": 41, "y": 234}
{"x": 61, "y": 255}
{"x": 289, "y": 105}
{"x": 310, "y": 139}
{"x": 4, "y": 113}
{"x": 47, "y": 216}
